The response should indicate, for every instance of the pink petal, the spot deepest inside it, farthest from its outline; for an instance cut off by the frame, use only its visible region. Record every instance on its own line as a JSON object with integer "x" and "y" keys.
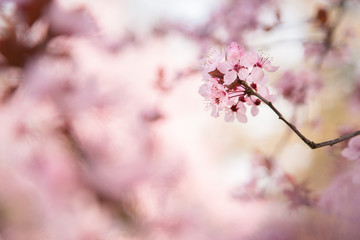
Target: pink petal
{"x": 242, "y": 108}
{"x": 204, "y": 90}
{"x": 254, "y": 110}
{"x": 251, "y": 58}
{"x": 270, "y": 68}
{"x": 355, "y": 142}
{"x": 230, "y": 77}
{"x": 256, "y": 75}
{"x": 241, "y": 117}
{"x": 271, "y": 98}
{"x": 350, "y": 154}
{"x": 263, "y": 90}
{"x": 229, "y": 116}
{"x": 246, "y": 61}
{"x": 243, "y": 73}
{"x": 215, "y": 111}
{"x": 223, "y": 67}
{"x": 234, "y": 52}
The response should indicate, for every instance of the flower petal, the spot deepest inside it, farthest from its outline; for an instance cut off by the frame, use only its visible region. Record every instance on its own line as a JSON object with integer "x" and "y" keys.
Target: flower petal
{"x": 234, "y": 53}
{"x": 249, "y": 59}
{"x": 241, "y": 117}
{"x": 270, "y": 68}
{"x": 215, "y": 111}
{"x": 204, "y": 90}
{"x": 230, "y": 77}
{"x": 241, "y": 108}
{"x": 254, "y": 110}
{"x": 223, "y": 67}
{"x": 229, "y": 116}
{"x": 243, "y": 73}
{"x": 257, "y": 75}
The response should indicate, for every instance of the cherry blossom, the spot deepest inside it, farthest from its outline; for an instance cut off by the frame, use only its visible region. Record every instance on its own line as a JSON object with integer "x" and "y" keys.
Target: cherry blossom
{"x": 210, "y": 63}
{"x": 232, "y": 68}
{"x": 256, "y": 60}
{"x": 352, "y": 152}
{"x": 231, "y": 81}
{"x": 255, "y": 102}
{"x": 90, "y": 151}
{"x": 237, "y": 110}
{"x": 215, "y": 93}
{"x": 298, "y": 86}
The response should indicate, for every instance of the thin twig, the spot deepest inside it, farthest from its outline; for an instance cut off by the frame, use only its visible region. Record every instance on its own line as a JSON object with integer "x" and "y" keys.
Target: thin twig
{"x": 308, "y": 142}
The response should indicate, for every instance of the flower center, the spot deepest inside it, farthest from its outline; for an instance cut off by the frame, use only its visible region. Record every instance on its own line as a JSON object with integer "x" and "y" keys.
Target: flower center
{"x": 237, "y": 67}
{"x": 234, "y": 108}
{"x": 254, "y": 86}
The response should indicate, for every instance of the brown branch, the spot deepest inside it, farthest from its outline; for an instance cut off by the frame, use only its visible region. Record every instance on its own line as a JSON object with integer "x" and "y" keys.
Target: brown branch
{"x": 308, "y": 142}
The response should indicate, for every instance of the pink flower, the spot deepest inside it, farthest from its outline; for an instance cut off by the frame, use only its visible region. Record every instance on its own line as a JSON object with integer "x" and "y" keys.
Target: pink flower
{"x": 298, "y": 86}
{"x": 215, "y": 94}
{"x": 232, "y": 71}
{"x": 232, "y": 68}
{"x": 254, "y": 102}
{"x": 245, "y": 65}
{"x": 252, "y": 60}
{"x": 237, "y": 110}
{"x": 352, "y": 152}
{"x": 210, "y": 63}
{"x": 235, "y": 52}
{"x": 228, "y": 79}
{"x": 255, "y": 60}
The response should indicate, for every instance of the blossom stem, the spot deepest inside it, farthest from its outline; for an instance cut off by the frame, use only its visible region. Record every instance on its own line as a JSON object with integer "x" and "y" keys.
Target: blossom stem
{"x": 308, "y": 142}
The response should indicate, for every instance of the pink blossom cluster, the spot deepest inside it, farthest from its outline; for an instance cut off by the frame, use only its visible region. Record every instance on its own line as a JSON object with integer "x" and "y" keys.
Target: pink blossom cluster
{"x": 231, "y": 79}
{"x": 250, "y": 12}
{"x": 222, "y": 25}
{"x": 298, "y": 86}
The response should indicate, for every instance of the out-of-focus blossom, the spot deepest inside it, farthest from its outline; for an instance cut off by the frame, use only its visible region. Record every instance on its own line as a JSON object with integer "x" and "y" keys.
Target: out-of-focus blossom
{"x": 298, "y": 86}
{"x": 352, "y": 152}
{"x": 222, "y": 27}
{"x": 334, "y": 55}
